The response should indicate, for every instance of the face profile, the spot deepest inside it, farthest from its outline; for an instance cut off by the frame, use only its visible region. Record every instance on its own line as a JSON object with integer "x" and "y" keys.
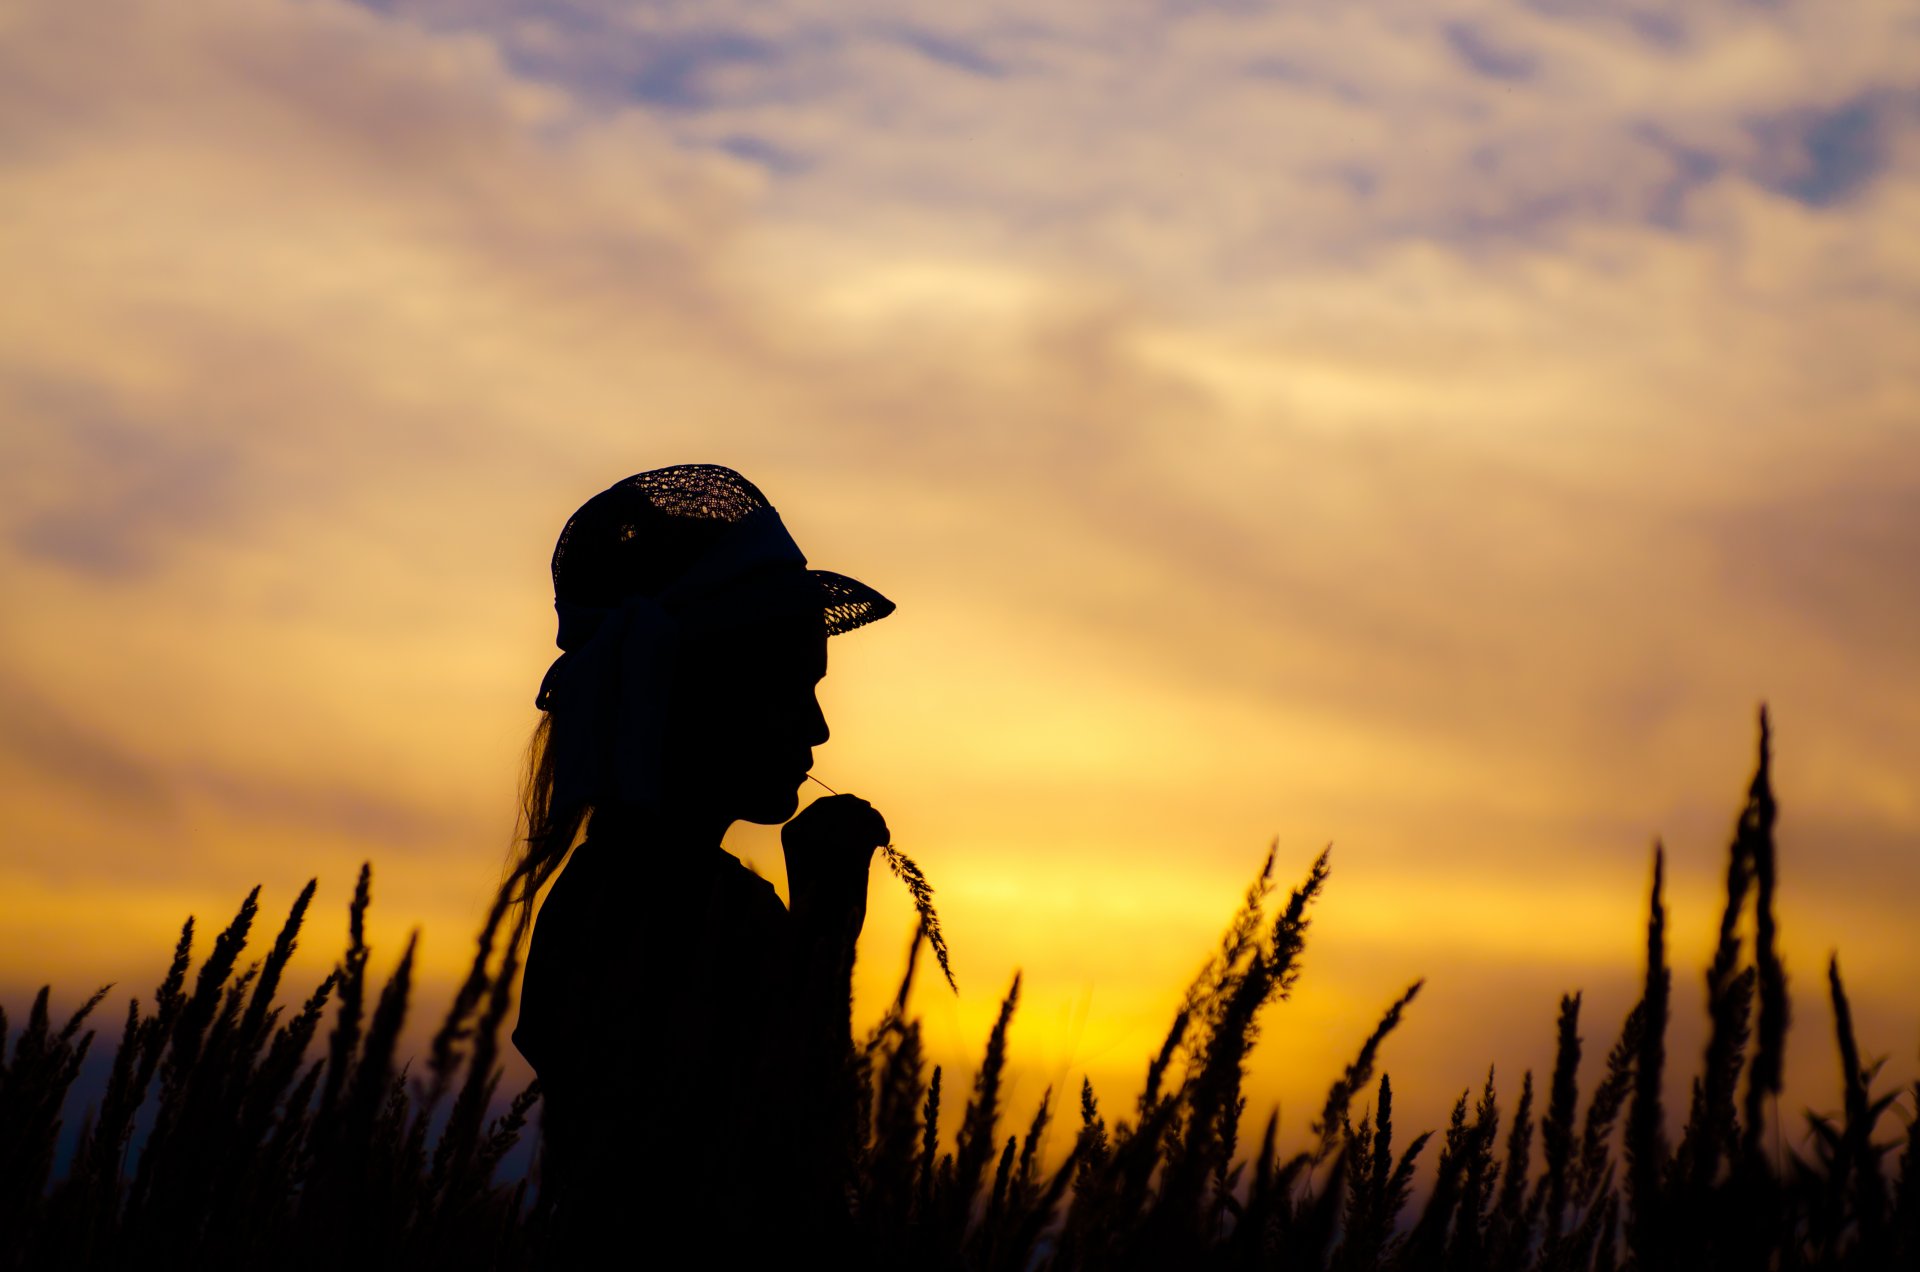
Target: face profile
{"x": 743, "y": 718}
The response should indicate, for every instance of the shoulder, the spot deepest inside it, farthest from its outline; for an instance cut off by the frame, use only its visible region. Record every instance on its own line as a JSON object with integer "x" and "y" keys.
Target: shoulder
{"x": 746, "y": 887}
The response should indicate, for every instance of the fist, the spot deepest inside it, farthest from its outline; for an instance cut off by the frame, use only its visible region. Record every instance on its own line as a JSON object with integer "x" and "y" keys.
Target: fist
{"x": 828, "y": 848}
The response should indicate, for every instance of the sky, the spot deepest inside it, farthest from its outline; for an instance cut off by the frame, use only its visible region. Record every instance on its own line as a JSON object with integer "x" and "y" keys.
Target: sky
{"x": 1426, "y": 427}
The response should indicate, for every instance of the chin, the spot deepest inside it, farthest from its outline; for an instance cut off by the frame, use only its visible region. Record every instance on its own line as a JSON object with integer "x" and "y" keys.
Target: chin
{"x": 771, "y": 808}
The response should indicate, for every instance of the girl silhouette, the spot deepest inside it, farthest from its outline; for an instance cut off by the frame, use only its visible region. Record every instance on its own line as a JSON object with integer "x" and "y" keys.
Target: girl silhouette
{"x": 691, "y": 1033}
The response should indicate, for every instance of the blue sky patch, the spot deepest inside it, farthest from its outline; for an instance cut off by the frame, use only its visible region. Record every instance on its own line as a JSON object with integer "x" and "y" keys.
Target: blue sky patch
{"x": 675, "y": 69}
{"x": 1830, "y": 156}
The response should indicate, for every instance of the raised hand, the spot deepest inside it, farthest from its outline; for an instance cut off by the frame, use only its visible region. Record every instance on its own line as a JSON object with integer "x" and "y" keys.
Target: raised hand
{"x": 828, "y": 847}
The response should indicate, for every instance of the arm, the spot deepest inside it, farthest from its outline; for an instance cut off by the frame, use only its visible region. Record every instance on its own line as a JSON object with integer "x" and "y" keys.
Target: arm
{"x": 828, "y": 849}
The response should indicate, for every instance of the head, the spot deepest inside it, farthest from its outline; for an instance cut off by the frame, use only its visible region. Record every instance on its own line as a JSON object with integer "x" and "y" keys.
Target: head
{"x": 693, "y": 638}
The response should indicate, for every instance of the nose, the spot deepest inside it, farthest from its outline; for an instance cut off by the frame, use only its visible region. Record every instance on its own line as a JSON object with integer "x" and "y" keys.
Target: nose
{"x": 817, "y": 731}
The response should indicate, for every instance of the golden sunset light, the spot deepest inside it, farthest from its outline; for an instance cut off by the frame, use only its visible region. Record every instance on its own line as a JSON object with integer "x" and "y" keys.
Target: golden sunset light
{"x": 1426, "y": 427}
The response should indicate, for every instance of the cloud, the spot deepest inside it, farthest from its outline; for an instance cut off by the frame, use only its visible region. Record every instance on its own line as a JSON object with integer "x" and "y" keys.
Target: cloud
{"x": 679, "y": 73}
{"x": 1485, "y": 56}
{"x": 760, "y": 151}
{"x": 1842, "y": 563}
{"x": 1225, "y": 123}
{"x": 75, "y": 755}
{"x": 950, "y": 52}
{"x": 125, "y": 493}
{"x": 1824, "y": 157}
{"x": 1432, "y": 400}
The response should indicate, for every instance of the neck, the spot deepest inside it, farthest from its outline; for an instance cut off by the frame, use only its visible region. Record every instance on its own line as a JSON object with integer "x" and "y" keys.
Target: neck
{"x": 676, "y": 826}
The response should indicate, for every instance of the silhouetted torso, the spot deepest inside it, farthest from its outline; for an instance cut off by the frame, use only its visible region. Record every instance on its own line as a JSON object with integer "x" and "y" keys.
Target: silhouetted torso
{"x": 688, "y": 1072}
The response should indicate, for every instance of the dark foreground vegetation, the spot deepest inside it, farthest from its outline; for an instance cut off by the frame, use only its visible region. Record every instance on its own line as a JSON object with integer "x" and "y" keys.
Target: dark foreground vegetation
{"x": 256, "y": 1153}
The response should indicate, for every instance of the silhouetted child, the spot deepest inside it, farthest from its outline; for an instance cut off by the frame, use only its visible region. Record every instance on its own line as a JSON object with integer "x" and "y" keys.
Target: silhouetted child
{"x": 691, "y": 1033}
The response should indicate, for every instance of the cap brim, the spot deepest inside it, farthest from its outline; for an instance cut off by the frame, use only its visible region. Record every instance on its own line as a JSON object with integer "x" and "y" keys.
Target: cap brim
{"x": 848, "y": 603}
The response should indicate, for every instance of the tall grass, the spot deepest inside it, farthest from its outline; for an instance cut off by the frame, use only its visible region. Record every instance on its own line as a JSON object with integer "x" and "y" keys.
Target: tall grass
{"x": 259, "y": 1152}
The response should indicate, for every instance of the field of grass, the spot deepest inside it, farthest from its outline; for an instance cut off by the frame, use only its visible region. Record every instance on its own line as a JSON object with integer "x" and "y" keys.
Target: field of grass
{"x": 270, "y": 1137}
